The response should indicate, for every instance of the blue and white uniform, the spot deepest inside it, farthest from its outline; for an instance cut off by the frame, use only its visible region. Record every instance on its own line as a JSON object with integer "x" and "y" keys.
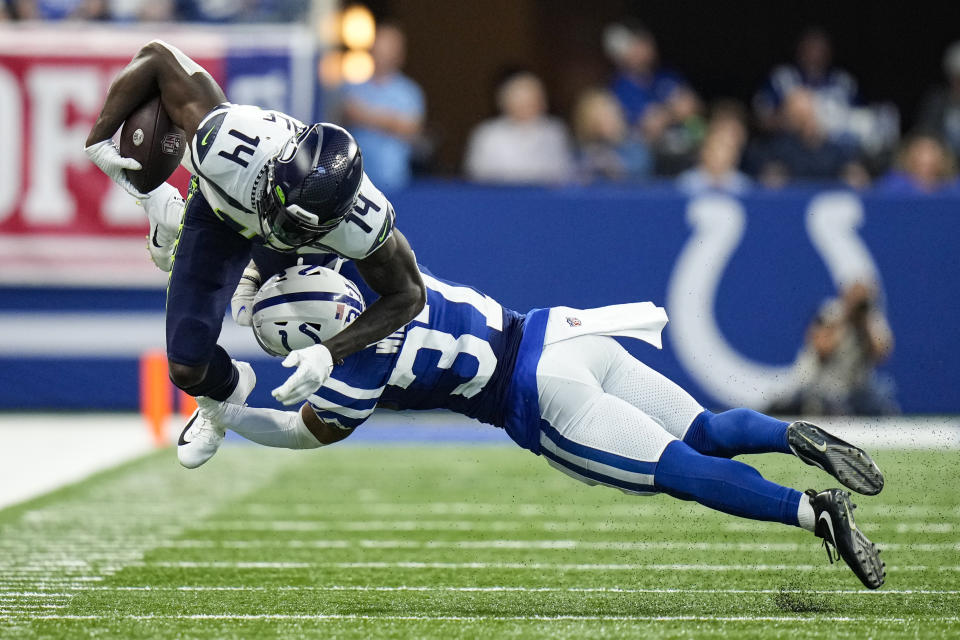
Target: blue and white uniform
{"x": 551, "y": 378}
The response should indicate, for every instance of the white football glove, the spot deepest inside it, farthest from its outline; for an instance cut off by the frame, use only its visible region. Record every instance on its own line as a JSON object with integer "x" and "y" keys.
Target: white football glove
{"x": 105, "y": 155}
{"x": 313, "y": 364}
{"x": 164, "y": 207}
{"x": 241, "y": 305}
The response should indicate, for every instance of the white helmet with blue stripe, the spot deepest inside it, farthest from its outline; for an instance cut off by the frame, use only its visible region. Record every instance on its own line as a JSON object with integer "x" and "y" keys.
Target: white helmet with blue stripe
{"x": 302, "y": 306}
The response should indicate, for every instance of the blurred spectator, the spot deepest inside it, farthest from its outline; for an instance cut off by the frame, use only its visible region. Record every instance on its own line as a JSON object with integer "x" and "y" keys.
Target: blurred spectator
{"x": 658, "y": 103}
{"x": 639, "y": 84}
{"x": 60, "y": 9}
{"x": 225, "y": 11}
{"x": 386, "y": 113}
{"x": 676, "y": 130}
{"x": 834, "y": 90}
{"x": 717, "y": 169}
{"x": 940, "y": 111}
{"x": 142, "y": 10}
{"x": 803, "y": 150}
{"x": 924, "y": 166}
{"x": 836, "y": 370}
{"x": 524, "y": 144}
{"x": 607, "y": 149}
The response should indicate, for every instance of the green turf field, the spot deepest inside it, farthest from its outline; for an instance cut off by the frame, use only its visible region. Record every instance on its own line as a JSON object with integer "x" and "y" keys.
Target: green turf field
{"x": 457, "y": 541}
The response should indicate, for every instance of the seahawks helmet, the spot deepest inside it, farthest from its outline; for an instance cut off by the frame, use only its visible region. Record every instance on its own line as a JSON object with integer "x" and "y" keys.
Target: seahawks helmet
{"x": 302, "y": 306}
{"x": 309, "y": 187}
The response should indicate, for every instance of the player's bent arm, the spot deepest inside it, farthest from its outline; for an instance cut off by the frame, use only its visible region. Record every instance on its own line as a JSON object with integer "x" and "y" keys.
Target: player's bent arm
{"x": 273, "y": 428}
{"x": 392, "y": 272}
{"x": 187, "y": 92}
{"x": 324, "y": 432}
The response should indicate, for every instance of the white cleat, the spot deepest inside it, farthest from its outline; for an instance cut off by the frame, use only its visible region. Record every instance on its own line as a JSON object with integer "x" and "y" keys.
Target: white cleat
{"x": 203, "y": 435}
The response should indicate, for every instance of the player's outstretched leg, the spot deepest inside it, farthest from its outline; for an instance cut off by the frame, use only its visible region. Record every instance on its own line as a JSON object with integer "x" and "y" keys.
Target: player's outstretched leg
{"x": 849, "y": 464}
{"x": 736, "y": 432}
{"x": 739, "y": 489}
{"x": 202, "y": 437}
{"x": 834, "y": 523}
{"x": 733, "y": 432}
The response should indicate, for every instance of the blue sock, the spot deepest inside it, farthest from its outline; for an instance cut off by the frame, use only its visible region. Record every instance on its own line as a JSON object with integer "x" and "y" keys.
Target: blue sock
{"x": 725, "y": 485}
{"x": 737, "y": 431}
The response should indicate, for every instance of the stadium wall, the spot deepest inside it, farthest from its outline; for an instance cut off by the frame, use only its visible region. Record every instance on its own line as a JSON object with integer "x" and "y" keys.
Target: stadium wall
{"x": 740, "y": 279}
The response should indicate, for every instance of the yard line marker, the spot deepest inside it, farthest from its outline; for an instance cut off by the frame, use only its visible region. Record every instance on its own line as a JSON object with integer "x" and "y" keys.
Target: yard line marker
{"x": 515, "y": 565}
{"x": 606, "y": 545}
{"x": 573, "y": 618}
{"x": 521, "y": 524}
{"x": 624, "y": 509}
{"x": 496, "y": 589}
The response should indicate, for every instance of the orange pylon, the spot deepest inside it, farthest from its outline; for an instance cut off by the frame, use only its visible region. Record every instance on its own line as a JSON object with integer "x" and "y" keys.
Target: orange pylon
{"x": 156, "y": 399}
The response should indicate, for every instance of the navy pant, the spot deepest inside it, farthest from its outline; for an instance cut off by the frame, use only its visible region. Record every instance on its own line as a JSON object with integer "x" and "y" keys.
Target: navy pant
{"x": 209, "y": 260}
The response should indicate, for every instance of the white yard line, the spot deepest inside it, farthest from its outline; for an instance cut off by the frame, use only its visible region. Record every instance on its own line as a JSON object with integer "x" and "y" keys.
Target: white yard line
{"x": 607, "y": 545}
{"x": 503, "y": 525}
{"x": 633, "y": 509}
{"x": 538, "y": 566}
{"x": 570, "y": 618}
{"x": 492, "y": 589}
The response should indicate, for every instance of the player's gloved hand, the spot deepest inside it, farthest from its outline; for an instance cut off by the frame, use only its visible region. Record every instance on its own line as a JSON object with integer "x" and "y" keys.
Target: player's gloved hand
{"x": 105, "y": 155}
{"x": 241, "y": 305}
{"x": 313, "y": 364}
{"x": 164, "y": 207}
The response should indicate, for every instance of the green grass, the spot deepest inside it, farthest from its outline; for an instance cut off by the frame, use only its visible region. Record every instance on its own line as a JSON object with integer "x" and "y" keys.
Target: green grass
{"x": 445, "y": 541}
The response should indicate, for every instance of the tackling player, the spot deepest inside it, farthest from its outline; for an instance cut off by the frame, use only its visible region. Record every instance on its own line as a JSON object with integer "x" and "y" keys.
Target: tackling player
{"x": 260, "y": 178}
{"x": 560, "y": 387}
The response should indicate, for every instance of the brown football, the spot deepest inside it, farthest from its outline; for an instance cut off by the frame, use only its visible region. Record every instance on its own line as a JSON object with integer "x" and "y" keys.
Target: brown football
{"x": 151, "y": 139}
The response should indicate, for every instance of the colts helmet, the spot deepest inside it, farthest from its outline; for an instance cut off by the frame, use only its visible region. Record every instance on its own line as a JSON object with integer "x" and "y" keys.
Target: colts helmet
{"x": 310, "y": 187}
{"x": 302, "y": 306}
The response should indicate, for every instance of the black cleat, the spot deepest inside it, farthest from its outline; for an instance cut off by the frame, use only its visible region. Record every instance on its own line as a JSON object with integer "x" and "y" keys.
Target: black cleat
{"x": 849, "y": 464}
{"x": 834, "y": 523}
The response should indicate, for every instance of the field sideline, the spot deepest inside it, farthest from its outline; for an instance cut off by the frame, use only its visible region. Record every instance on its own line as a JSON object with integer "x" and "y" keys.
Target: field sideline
{"x": 457, "y": 541}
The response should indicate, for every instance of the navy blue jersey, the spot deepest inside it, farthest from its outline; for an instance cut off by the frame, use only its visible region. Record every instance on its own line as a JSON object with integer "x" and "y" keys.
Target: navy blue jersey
{"x": 457, "y": 354}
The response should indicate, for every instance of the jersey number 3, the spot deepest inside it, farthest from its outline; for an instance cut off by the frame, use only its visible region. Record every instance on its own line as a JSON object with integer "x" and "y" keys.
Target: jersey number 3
{"x": 452, "y": 349}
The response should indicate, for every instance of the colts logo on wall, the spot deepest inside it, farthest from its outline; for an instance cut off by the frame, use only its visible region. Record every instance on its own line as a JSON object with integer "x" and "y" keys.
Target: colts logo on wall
{"x": 718, "y": 223}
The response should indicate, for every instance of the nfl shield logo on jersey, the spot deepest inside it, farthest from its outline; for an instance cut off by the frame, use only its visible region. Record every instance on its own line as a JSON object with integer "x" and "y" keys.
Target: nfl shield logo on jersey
{"x": 573, "y": 322}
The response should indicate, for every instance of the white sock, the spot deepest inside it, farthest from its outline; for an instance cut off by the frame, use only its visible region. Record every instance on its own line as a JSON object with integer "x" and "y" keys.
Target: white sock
{"x": 269, "y": 427}
{"x": 806, "y": 518}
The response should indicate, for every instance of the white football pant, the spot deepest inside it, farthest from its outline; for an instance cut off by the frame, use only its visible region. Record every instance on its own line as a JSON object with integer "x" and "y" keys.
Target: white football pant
{"x": 606, "y": 416}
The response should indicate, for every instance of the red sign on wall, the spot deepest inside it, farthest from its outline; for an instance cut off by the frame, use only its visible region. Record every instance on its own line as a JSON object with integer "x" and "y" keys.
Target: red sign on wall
{"x": 55, "y": 205}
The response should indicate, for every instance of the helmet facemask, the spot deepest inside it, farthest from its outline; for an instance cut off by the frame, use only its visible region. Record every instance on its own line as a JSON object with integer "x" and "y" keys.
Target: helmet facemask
{"x": 295, "y": 208}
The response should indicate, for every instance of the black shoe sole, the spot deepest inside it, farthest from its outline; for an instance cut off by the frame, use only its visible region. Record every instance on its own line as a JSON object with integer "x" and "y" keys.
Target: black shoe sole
{"x": 842, "y": 460}
{"x": 861, "y": 555}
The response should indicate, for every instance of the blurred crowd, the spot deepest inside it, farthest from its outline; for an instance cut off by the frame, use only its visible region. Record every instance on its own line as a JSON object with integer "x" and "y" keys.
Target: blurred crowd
{"x": 210, "y": 11}
{"x": 806, "y": 123}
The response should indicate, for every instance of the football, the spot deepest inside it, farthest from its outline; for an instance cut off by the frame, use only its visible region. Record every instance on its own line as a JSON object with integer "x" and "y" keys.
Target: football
{"x": 151, "y": 139}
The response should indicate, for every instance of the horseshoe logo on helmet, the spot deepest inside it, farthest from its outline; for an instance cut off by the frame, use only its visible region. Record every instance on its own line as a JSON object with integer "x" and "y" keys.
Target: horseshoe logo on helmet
{"x": 718, "y": 223}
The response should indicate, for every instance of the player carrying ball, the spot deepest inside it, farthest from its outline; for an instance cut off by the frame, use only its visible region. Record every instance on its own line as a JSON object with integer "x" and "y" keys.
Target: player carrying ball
{"x": 560, "y": 386}
{"x": 263, "y": 182}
